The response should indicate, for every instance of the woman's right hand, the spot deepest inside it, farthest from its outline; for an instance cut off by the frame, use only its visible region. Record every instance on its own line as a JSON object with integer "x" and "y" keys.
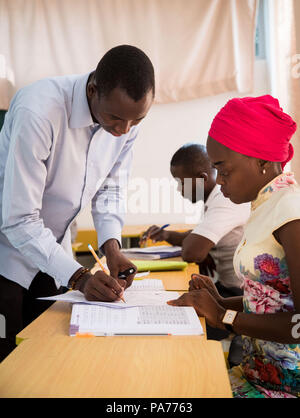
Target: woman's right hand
{"x": 199, "y": 281}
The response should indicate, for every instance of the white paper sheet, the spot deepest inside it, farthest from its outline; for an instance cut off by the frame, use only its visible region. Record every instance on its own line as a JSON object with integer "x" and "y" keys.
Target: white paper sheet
{"x": 141, "y": 293}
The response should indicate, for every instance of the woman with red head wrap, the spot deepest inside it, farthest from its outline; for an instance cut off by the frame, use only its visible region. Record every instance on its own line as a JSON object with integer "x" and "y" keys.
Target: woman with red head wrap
{"x": 256, "y": 127}
{"x": 249, "y": 144}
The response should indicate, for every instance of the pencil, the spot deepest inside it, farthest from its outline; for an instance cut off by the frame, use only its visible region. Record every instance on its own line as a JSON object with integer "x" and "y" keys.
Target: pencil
{"x": 100, "y": 264}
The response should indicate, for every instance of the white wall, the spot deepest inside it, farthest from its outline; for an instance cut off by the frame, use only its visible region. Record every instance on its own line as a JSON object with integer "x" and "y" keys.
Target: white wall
{"x": 165, "y": 129}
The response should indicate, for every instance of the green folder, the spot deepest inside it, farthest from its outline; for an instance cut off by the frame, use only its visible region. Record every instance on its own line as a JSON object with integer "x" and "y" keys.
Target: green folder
{"x": 159, "y": 265}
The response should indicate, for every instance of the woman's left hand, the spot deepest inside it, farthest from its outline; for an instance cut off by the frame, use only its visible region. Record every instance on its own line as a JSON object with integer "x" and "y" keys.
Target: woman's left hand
{"x": 204, "y": 304}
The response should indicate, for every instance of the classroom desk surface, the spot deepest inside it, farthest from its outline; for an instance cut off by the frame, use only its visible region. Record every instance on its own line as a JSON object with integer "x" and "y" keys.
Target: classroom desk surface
{"x": 49, "y": 363}
{"x": 115, "y": 367}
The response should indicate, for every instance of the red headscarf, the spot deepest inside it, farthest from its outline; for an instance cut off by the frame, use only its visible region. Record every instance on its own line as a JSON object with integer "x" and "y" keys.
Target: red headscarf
{"x": 257, "y": 127}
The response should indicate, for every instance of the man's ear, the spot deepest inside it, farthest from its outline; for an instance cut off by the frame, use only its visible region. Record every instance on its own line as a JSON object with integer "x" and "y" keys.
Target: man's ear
{"x": 202, "y": 175}
{"x": 90, "y": 89}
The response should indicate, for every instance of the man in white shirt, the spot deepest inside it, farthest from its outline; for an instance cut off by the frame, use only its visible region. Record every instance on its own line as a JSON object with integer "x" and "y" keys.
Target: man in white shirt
{"x": 67, "y": 141}
{"x": 213, "y": 242}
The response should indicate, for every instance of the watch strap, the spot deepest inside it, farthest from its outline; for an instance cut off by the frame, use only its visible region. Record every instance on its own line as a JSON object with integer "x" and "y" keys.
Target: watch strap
{"x": 228, "y": 327}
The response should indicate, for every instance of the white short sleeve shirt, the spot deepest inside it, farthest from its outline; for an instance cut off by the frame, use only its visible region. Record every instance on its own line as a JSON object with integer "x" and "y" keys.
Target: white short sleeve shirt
{"x": 223, "y": 224}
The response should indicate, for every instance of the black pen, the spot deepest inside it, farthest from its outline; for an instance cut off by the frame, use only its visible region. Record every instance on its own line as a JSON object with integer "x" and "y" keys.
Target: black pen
{"x": 126, "y": 273}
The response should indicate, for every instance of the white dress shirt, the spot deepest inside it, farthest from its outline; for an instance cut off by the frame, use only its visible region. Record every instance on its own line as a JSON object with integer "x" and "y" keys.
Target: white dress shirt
{"x": 53, "y": 161}
{"x": 223, "y": 224}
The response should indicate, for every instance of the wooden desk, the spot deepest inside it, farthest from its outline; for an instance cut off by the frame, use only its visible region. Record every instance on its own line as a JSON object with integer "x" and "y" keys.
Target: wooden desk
{"x": 115, "y": 367}
{"x": 55, "y": 321}
{"x": 49, "y": 363}
{"x": 175, "y": 280}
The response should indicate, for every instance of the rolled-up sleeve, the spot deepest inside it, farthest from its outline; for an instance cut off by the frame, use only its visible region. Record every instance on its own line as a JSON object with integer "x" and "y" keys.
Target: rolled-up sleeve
{"x": 109, "y": 203}
{"x": 23, "y": 188}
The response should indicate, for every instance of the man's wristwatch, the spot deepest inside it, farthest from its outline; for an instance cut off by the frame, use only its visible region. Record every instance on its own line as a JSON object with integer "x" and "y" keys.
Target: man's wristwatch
{"x": 229, "y": 318}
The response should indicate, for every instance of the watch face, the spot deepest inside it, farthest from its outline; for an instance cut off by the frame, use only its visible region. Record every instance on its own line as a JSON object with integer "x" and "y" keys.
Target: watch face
{"x": 229, "y": 317}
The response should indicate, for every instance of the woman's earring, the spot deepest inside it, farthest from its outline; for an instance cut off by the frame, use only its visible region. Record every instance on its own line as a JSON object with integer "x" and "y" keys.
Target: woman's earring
{"x": 264, "y": 171}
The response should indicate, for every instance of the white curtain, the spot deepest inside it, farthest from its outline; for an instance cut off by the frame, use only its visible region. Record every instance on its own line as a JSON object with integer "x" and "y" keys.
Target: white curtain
{"x": 284, "y": 60}
{"x": 295, "y": 90}
{"x": 198, "y": 47}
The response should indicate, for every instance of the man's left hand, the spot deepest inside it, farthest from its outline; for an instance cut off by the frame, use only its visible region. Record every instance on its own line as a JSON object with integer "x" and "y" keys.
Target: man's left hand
{"x": 117, "y": 262}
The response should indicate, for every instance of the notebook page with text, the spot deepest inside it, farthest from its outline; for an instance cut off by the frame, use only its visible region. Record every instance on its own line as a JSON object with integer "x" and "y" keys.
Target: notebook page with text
{"x": 148, "y": 320}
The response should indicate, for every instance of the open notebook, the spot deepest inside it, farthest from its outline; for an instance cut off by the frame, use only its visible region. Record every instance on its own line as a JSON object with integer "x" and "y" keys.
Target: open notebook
{"x": 153, "y": 253}
{"x": 91, "y": 320}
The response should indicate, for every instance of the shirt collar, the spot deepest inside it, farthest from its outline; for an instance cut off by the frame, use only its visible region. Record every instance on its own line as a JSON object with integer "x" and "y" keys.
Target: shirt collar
{"x": 280, "y": 182}
{"x": 80, "y": 113}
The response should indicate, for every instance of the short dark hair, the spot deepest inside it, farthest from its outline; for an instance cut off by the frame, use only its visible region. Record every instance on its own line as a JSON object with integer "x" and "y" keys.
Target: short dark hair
{"x": 189, "y": 155}
{"x": 127, "y": 67}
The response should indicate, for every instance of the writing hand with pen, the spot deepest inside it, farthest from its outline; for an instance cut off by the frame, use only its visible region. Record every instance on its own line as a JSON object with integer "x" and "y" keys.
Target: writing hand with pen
{"x": 104, "y": 285}
{"x": 155, "y": 233}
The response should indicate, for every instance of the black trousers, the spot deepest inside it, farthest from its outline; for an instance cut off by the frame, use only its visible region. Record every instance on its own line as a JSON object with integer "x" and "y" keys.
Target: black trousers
{"x": 19, "y": 307}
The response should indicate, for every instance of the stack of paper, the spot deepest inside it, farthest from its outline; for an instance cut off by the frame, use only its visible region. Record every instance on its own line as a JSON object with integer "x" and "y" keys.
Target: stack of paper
{"x": 144, "y": 320}
{"x": 153, "y": 253}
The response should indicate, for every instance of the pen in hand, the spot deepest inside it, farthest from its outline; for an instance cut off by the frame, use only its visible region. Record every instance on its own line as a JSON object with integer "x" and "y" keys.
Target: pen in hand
{"x": 100, "y": 264}
{"x": 146, "y": 234}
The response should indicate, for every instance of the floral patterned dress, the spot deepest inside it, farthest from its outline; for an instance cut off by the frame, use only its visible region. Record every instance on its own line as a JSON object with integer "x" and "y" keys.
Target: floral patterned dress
{"x": 268, "y": 369}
